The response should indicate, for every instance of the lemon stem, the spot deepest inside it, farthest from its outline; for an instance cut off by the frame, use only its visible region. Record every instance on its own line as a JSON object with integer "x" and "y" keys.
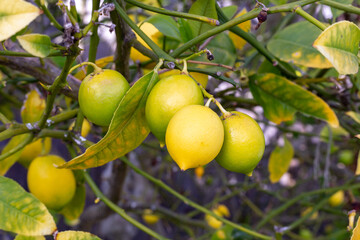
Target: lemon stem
{"x": 96, "y": 68}
{"x": 157, "y": 67}
{"x": 185, "y": 71}
{"x": 208, "y": 102}
{"x": 193, "y": 56}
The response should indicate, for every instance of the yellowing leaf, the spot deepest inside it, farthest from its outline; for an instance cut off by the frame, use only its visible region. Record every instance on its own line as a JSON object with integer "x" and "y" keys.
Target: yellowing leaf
{"x": 339, "y": 43}
{"x": 357, "y": 172}
{"x": 11, "y": 160}
{"x": 22, "y": 237}
{"x": 294, "y": 44}
{"x": 355, "y": 116}
{"x": 291, "y": 95}
{"x": 127, "y": 130}
{"x": 22, "y": 212}
{"x": 33, "y": 107}
{"x": 76, "y": 235}
{"x": 14, "y": 16}
{"x": 245, "y": 26}
{"x": 36, "y": 44}
{"x": 279, "y": 161}
{"x": 356, "y": 232}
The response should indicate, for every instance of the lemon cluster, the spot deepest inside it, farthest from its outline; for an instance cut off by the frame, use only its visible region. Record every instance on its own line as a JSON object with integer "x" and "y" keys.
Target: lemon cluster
{"x": 194, "y": 134}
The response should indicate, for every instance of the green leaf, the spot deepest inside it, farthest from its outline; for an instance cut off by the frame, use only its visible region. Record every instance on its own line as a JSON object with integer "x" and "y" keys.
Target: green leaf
{"x": 336, "y": 12}
{"x": 24, "y": 214}
{"x": 339, "y": 43}
{"x": 279, "y": 161}
{"x": 166, "y": 25}
{"x": 75, "y": 207}
{"x": 294, "y": 44}
{"x": 203, "y": 8}
{"x": 229, "y": 11}
{"x": 185, "y": 30}
{"x": 76, "y": 235}
{"x": 14, "y": 16}
{"x": 22, "y": 237}
{"x": 292, "y": 95}
{"x": 36, "y": 44}
{"x": 127, "y": 130}
{"x": 6, "y": 164}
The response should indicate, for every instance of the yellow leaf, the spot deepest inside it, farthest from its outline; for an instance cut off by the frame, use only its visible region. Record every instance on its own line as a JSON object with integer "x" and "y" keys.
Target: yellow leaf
{"x": 356, "y": 231}
{"x": 279, "y": 161}
{"x": 14, "y": 16}
{"x": 245, "y": 26}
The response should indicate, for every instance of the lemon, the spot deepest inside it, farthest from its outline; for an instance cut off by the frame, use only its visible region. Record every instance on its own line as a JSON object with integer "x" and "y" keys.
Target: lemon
{"x": 245, "y": 26}
{"x": 337, "y": 198}
{"x": 100, "y": 94}
{"x": 167, "y": 97}
{"x": 194, "y": 136}
{"x": 153, "y": 33}
{"x": 244, "y": 143}
{"x": 199, "y": 77}
{"x": 54, "y": 187}
{"x": 40, "y": 146}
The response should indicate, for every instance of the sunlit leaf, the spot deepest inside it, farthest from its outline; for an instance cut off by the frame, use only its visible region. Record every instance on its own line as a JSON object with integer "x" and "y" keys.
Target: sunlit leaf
{"x": 24, "y": 214}
{"x": 22, "y": 237}
{"x": 203, "y": 8}
{"x": 76, "y": 235}
{"x": 75, "y": 207}
{"x": 294, "y": 96}
{"x": 279, "y": 161}
{"x": 356, "y": 232}
{"x": 127, "y": 130}
{"x": 294, "y": 44}
{"x": 36, "y": 44}
{"x": 6, "y": 164}
{"x": 15, "y": 15}
{"x": 166, "y": 25}
{"x": 339, "y": 43}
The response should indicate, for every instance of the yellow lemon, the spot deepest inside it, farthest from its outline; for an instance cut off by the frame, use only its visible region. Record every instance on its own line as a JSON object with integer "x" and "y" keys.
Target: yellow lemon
{"x": 199, "y": 77}
{"x": 244, "y": 143}
{"x": 167, "y": 97}
{"x": 337, "y": 198}
{"x": 40, "y": 146}
{"x": 223, "y": 210}
{"x": 194, "y": 136}
{"x": 245, "y": 26}
{"x": 54, "y": 187}
{"x": 100, "y": 94}
{"x": 213, "y": 222}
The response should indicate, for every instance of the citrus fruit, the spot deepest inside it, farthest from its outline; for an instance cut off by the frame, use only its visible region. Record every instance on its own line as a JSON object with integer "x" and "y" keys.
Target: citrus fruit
{"x": 33, "y": 107}
{"x": 199, "y": 77}
{"x": 194, "y": 136}
{"x": 167, "y": 97}
{"x": 337, "y": 198}
{"x": 213, "y": 222}
{"x": 149, "y": 217}
{"x": 100, "y": 94}
{"x": 153, "y": 33}
{"x": 40, "y": 146}
{"x": 245, "y": 26}
{"x": 244, "y": 143}
{"x": 54, "y": 187}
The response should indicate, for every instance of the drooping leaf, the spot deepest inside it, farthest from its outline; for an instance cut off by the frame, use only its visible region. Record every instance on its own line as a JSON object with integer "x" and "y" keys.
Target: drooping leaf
{"x": 127, "y": 130}
{"x": 76, "y": 235}
{"x": 279, "y": 161}
{"x": 294, "y": 96}
{"x": 336, "y": 12}
{"x": 15, "y": 15}
{"x": 75, "y": 207}
{"x": 203, "y": 8}
{"x": 274, "y": 109}
{"x": 22, "y": 237}
{"x": 294, "y": 44}
{"x": 24, "y": 214}
{"x": 356, "y": 232}
{"x": 11, "y": 160}
{"x": 339, "y": 43}
{"x": 36, "y": 44}
{"x": 166, "y": 25}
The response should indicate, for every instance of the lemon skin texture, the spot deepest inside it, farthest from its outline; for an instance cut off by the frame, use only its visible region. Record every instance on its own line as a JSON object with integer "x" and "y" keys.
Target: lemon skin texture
{"x": 244, "y": 144}
{"x": 31, "y": 151}
{"x": 194, "y": 136}
{"x": 54, "y": 187}
{"x": 199, "y": 77}
{"x": 100, "y": 94}
{"x": 167, "y": 97}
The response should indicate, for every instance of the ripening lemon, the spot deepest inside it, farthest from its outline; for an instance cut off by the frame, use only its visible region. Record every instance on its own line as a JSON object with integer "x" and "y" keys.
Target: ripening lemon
{"x": 337, "y": 198}
{"x": 194, "y": 136}
{"x": 41, "y": 146}
{"x": 245, "y": 26}
{"x": 54, "y": 187}
{"x": 244, "y": 143}
{"x": 153, "y": 33}
{"x": 199, "y": 77}
{"x": 100, "y": 94}
{"x": 167, "y": 97}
